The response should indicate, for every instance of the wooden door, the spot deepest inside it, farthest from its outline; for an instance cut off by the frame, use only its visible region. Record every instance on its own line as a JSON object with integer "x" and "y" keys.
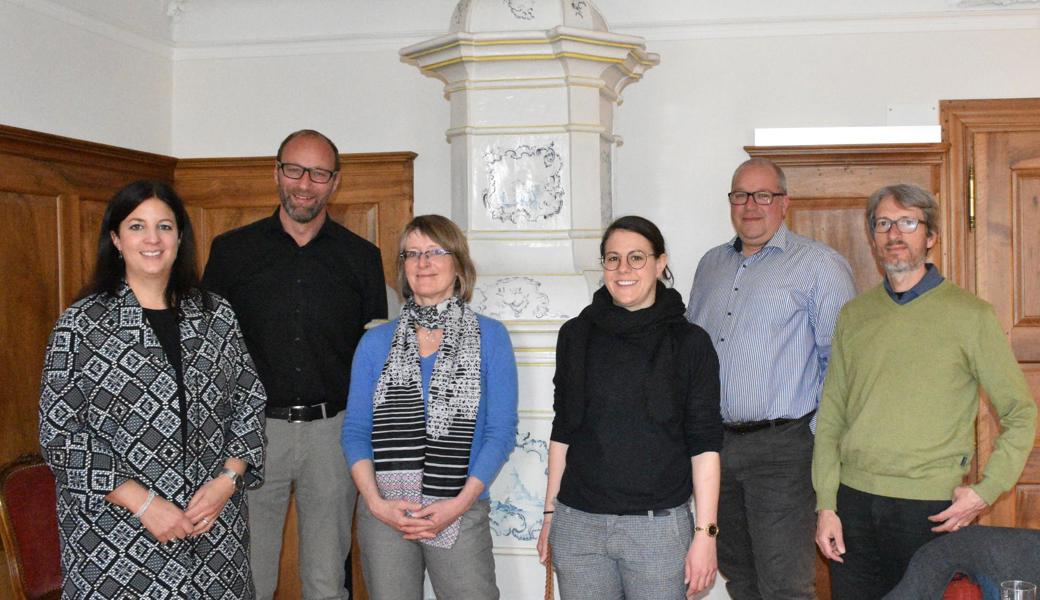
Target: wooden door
{"x": 374, "y": 200}
{"x": 998, "y": 142}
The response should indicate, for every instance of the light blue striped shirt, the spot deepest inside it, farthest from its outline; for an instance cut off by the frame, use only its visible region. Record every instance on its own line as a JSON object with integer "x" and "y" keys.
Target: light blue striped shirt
{"x": 771, "y": 316}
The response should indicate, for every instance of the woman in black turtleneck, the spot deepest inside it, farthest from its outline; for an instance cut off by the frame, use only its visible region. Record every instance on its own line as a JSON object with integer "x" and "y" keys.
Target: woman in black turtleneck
{"x": 637, "y": 430}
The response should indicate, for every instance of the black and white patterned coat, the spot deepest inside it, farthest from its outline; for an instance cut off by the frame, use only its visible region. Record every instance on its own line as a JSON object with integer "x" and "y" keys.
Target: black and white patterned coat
{"x": 109, "y": 412}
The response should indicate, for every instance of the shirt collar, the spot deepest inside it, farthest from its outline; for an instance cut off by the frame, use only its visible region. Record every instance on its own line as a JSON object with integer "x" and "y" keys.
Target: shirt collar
{"x": 779, "y": 240}
{"x": 932, "y": 278}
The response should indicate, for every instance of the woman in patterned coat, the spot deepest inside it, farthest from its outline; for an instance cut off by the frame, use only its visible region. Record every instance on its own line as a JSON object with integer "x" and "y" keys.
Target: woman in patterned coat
{"x": 151, "y": 417}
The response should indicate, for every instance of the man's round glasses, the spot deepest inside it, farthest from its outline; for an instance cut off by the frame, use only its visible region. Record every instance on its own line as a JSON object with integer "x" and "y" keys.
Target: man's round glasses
{"x": 430, "y": 254}
{"x": 293, "y": 171}
{"x": 636, "y": 260}
{"x": 904, "y": 224}
{"x": 762, "y": 197}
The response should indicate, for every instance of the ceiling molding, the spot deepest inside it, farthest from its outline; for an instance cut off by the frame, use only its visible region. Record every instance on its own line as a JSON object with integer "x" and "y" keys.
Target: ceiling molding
{"x": 953, "y": 19}
{"x": 944, "y": 21}
{"x": 115, "y": 32}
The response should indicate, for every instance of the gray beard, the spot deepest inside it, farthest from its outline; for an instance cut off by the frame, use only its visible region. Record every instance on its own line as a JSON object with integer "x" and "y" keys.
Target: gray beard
{"x": 300, "y": 215}
{"x": 901, "y": 266}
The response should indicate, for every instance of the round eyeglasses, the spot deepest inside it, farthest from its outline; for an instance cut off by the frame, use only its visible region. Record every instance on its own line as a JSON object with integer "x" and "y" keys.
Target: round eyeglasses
{"x": 903, "y": 224}
{"x": 636, "y": 260}
{"x": 293, "y": 171}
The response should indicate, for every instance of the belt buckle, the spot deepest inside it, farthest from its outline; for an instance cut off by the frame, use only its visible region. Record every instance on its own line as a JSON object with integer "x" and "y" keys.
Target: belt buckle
{"x": 292, "y": 412}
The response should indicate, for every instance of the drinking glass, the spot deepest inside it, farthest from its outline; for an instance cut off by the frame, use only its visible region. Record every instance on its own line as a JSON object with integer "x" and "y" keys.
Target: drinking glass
{"x": 1017, "y": 590}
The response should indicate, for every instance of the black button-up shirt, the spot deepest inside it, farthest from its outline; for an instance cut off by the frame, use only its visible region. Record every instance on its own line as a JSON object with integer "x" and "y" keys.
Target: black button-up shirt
{"x": 302, "y": 309}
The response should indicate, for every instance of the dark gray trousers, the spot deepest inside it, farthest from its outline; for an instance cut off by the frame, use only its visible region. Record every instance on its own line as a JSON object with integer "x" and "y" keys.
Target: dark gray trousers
{"x": 767, "y": 514}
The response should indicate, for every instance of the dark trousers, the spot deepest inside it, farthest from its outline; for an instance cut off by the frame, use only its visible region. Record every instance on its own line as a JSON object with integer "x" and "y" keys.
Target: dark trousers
{"x": 881, "y": 535}
{"x": 767, "y": 518}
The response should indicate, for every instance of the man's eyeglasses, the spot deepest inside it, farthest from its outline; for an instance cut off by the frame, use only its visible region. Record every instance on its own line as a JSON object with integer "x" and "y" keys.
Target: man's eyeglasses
{"x": 904, "y": 224}
{"x": 636, "y": 260}
{"x": 430, "y": 254}
{"x": 293, "y": 171}
{"x": 762, "y": 197}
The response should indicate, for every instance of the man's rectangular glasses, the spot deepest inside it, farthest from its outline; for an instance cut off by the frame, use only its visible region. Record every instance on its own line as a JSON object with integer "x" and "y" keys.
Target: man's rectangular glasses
{"x": 293, "y": 171}
{"x": 904, "y": 224}
{"x": 761, "y": 197}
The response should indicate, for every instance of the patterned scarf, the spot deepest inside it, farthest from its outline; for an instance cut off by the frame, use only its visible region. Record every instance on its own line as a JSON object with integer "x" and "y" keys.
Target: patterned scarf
{"x": 422, "y": 452}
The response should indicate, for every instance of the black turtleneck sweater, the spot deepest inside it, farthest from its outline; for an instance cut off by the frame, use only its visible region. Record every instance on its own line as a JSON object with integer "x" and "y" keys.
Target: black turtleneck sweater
{"x": 637, "y": 395}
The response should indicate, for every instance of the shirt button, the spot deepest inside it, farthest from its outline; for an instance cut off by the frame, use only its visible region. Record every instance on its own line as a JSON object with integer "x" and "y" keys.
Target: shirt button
{"x": 296, "y": 339}
{"x": 722, "y": 339}
{"x": 729, "y": 314}
{"x": 734, "y": 289}
{"x": 299, "y": 281}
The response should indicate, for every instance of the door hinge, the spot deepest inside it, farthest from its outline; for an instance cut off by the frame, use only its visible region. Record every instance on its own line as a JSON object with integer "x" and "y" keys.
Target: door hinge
{"x": 971, "y": 198}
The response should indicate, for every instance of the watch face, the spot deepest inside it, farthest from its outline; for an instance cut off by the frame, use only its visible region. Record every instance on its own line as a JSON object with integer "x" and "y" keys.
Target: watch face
{"x": 713, "y": 530}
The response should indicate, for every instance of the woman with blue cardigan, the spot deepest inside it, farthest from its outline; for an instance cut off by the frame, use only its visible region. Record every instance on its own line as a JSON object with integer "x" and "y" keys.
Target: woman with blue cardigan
{"x": 430, "y": 420}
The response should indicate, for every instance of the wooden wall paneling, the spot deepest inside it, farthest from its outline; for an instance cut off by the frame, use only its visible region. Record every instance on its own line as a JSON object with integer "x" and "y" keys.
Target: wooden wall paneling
{"x": 373, "y": 200}
{"x": 829, "y": 187}
{"x": 46, "y": 252}
{"x": 29, "y": 303}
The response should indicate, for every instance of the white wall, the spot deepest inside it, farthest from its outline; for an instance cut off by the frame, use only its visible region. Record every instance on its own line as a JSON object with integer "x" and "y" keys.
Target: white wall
{"x": 63, "y": 74}
{"x": 684, "y": 125}
{"x": 364, "y": 101}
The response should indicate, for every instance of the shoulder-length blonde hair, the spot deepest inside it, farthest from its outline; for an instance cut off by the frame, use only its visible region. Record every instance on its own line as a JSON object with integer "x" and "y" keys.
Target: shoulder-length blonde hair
{"x": 444, "y": 232}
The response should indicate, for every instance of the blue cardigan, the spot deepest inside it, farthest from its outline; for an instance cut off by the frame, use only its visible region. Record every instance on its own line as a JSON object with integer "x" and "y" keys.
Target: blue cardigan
{"x": 495, "y": 434}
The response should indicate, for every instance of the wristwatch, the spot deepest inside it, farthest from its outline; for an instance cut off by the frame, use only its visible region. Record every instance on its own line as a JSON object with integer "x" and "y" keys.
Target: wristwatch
{"x": 235, "y": 478}
{"x": 711, "y": 529}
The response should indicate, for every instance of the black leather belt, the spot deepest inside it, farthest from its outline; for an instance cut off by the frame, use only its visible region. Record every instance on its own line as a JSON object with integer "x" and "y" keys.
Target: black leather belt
{"x": 752, "y": 426}
{"x": 301, "y": 414}
{"x": 657, "y": 512}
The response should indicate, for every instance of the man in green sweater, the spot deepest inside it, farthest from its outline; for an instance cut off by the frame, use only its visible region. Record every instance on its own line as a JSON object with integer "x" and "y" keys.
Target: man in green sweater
{"x": 896, "y": 425}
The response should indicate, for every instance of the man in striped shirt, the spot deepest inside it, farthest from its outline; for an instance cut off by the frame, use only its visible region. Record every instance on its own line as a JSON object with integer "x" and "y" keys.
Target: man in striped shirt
{"x": 769, "y": 298}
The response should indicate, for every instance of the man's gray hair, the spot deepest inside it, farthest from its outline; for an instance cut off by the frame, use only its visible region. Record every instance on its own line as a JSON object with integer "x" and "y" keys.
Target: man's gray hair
{"x": 908, "y": 196}
{"x": 763, "y": 162}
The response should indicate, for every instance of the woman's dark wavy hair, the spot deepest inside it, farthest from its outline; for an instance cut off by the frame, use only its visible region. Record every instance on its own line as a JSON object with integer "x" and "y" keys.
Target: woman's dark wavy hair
{"x": 645, "y": 228}
{"x": 110, "y": 270}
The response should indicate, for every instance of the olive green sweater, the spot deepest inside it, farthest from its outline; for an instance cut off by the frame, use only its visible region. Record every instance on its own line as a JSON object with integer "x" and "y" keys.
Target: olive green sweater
{"x": 897, "y": 416}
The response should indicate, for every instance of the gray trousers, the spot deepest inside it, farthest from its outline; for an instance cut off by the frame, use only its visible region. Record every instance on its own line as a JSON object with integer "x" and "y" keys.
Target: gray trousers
{"x": 767, "y": 514}
{"x": 309, "y": 457}
{"x": 615, "y": 557}
{"x": 394, "y": 567}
